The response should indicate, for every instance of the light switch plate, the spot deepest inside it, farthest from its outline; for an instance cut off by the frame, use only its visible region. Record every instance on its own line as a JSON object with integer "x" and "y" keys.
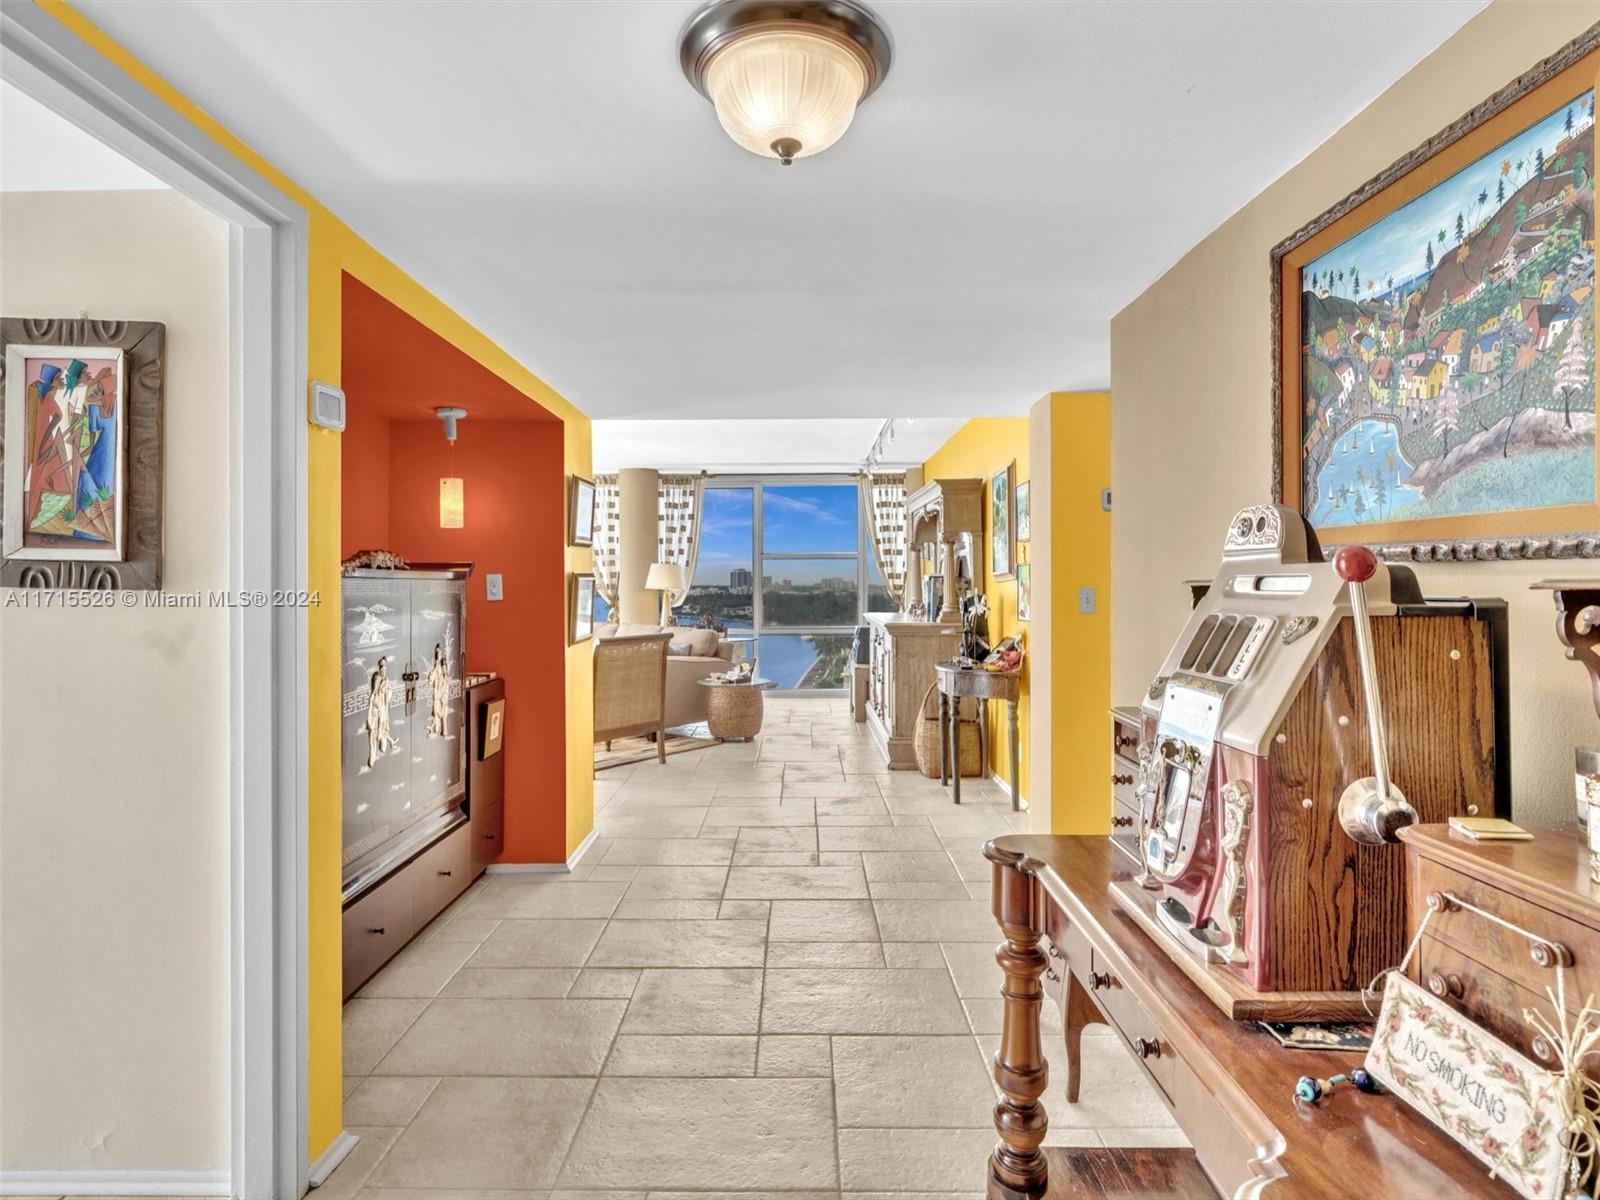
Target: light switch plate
{"x": 1086, "y": 600}
{"x": 327, "y": 406}
{"x": 496, "y": 586}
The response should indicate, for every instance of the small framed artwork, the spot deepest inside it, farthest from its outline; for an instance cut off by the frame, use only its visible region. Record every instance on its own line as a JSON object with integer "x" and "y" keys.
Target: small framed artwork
{"x": 1002, "y": 523}
{"x": 82, "y": 488}
{"x": 580, "y": 607}
{"x": 1434, "y": 338}
{"x": 1024, "y": 510}
{"x": 494, "y": 728}
{"x": 580, "y": 511}
{"x": 1024, "y": 592}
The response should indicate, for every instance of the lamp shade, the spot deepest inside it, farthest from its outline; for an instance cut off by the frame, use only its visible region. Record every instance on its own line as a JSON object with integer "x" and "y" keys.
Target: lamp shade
{"x": 452, "y": 503}
{"x": 787, "y": 93}
{"x": 665, "y": 577}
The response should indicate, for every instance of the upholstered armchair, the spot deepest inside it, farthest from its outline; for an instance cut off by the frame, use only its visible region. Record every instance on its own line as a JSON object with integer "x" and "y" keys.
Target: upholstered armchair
{"x": 630, "y": 688}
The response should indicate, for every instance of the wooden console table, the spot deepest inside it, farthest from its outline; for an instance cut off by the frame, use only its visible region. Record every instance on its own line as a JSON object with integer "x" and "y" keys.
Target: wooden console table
{"x": 1229, "y": 1084}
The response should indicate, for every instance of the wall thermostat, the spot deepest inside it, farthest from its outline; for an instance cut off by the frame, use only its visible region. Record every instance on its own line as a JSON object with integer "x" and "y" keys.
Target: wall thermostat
{"x": 327, "y": 406}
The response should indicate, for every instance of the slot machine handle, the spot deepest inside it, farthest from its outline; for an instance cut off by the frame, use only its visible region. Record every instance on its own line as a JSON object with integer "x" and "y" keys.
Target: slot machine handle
{"x": 1371, "y": 810}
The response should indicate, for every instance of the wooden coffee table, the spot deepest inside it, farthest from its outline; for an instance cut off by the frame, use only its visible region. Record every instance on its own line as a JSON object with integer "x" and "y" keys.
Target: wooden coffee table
{"x": 734, "y": 710}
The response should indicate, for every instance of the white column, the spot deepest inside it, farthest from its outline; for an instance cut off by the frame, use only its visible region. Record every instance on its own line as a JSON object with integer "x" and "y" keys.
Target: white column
{"x": 639, "y": 544}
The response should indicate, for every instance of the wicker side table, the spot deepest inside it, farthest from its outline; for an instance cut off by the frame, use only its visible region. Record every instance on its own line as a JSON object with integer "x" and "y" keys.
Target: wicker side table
{"x": 734, "y": 710}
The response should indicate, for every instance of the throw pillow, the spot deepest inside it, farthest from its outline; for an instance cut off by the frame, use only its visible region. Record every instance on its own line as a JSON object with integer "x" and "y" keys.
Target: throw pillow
{"x": 700, "y": 643}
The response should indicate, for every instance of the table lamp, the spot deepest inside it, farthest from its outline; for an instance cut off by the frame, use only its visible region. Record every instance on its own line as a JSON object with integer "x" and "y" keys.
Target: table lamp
{"x": 665, "y": 578}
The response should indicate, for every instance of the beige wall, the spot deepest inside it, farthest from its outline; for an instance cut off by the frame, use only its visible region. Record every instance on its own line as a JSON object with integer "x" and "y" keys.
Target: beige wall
{"x": 1190, "y": 381}
{"x": 638, "y": 490}
{"x": 114, "y": 738}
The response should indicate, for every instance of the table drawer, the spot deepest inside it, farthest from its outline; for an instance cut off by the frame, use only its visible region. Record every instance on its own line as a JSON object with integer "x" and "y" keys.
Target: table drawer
{"x": 441, "y": 873}
{"x": 1486, "y": 941}
{"x": 1127, "y": 1016}
{"x": 375, "y": 927}
{"x": 1067, "y": 939}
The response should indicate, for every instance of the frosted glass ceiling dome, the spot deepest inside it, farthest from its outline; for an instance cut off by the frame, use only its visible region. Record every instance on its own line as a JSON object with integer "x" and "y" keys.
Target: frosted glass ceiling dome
{"x": 785, "y": 78}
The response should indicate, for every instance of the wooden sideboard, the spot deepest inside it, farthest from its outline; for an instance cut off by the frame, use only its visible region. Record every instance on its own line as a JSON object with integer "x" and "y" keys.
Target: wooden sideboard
{"x": 903, "y": 653}
{"x": 1229, "y": 1084}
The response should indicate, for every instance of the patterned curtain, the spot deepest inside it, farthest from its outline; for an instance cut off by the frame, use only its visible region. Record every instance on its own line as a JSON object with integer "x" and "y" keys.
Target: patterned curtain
{"x": 607, "y": 540}
{"x": 884, "y": 498}
{"x": 678, "y": 526}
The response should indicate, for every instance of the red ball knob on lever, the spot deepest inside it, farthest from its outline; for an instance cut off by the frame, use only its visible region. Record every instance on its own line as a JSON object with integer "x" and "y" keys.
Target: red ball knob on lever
{"x": 1355, "y": 564}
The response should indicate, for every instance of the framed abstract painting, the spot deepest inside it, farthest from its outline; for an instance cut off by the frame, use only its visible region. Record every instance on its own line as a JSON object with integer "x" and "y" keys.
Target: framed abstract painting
{"x": 1434, "y": 338}
{"x": 82, "y": 482}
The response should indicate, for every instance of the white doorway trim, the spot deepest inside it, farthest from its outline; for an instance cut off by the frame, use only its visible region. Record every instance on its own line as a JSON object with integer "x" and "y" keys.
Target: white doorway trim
{"x": 267, "y": 653}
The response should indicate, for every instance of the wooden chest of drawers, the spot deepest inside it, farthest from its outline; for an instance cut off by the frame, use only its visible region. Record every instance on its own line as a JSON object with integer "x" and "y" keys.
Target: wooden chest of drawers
{"x": 1126, "y": 724}
{"x": 1481, "y": 968}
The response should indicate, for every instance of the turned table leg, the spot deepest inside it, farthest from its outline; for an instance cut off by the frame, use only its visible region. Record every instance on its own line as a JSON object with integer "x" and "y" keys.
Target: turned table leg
{"x": 944, "y": 739}
{"x": 955, "y": 749}
{"x": 1017, "y": 1166}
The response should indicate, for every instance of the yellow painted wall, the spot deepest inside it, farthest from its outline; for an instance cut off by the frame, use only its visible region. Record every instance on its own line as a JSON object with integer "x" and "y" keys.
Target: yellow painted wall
{"x": 978, "y": 450}
{"x": 333, "y": 249}
{"x": 1079, "y": 644}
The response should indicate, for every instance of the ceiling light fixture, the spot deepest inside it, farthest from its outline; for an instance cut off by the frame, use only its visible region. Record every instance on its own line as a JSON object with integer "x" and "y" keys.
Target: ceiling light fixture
{"x": 452, "y": 490}
{"x": 785, "y": 76}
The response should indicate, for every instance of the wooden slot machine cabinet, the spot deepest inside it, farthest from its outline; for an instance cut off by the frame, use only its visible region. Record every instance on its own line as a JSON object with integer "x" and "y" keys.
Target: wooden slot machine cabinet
{"x": 1267, "y": 808}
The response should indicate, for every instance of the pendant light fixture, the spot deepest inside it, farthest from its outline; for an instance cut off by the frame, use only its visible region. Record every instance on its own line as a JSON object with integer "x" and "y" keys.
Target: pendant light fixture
{"x": 785, "y": 76}
{"x": 452, "y": 490}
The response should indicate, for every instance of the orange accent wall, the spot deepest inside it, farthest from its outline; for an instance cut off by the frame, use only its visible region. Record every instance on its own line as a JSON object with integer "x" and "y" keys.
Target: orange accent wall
{"x": 515, "y": 482}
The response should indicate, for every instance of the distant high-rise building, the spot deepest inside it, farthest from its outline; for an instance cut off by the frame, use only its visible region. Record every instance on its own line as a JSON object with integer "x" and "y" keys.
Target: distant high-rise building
{"x": 766, "y": 582}
{"x": 739, "y": 580}
{"x": 835, "y": 583}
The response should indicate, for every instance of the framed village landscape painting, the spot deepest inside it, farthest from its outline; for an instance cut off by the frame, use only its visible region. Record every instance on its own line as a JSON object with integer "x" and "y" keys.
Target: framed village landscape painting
{"x": 1434, "y": 338}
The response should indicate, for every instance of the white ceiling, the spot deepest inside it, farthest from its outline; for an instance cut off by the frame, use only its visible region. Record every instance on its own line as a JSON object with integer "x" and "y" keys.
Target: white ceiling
{"x": 42, "y": 152}
{"x": 731, "y": 446}
{"x": 1026, "y": 170}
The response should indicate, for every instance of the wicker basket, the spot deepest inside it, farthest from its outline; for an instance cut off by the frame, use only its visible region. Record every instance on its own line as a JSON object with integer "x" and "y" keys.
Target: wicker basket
{"x": 925, "y": 741}
{"x": 734, "y": 710}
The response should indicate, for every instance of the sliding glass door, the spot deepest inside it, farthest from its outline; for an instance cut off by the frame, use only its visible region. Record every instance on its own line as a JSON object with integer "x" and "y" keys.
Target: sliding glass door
{"x": 784, "y": 561}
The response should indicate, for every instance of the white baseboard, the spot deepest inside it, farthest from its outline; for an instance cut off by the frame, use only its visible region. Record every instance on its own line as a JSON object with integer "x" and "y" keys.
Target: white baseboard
{"x": 1005, "y": 787}
{"x": 328, "y": 1161}
{"x": 115, "y": 1183}
{"x": 546, "y": 868}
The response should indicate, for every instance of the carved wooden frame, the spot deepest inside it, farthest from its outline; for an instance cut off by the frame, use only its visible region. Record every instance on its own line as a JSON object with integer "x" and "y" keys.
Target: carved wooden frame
{"x": 1574, "y": 544}
{"x": 143, "y": 345}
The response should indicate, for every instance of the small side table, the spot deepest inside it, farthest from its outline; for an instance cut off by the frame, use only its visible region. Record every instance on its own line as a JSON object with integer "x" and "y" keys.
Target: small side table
{"x": 978, "y": 684}
{"x": 734, "y": 710}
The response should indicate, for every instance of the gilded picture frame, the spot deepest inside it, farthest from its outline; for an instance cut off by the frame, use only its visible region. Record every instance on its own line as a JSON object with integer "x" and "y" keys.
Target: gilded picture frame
{"x": 1369, "y": 354}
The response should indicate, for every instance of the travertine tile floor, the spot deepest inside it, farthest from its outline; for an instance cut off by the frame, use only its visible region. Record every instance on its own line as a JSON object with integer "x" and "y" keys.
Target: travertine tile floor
{"x": 773, "y": 972}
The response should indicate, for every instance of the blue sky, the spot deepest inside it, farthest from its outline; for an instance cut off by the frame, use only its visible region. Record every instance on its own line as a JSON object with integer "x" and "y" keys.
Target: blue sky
{"x": 1395, "y": 245}
{"x": 800, "y": 518}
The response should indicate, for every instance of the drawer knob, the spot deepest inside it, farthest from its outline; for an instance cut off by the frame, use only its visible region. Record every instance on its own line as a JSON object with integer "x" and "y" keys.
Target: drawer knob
{"x": 488, "y": 837}
{"x": 1442, "y": 902}
{"x": 1100, "y": 979}
{"x": 376, "y": 929}
{"x": 1054, "y": 951}
{"x": 1122, "y": 780}
{"x": 1147, "y": 1048}
{"x": 1050, "y": 974}
{"x": 1541, "y": 1049}
{"x": 1121, "y": 822}
{"x": 1445, "y": 985}
{"x": 447, "y": 872}
{"x": 1551, "y": 954}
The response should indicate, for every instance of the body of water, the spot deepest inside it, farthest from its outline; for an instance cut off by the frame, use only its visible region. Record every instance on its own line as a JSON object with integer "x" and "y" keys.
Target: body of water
{"x": 1363, "y": 478}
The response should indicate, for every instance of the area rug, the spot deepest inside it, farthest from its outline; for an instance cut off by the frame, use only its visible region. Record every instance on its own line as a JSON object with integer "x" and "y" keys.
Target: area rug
{"x": 638, "y": 749}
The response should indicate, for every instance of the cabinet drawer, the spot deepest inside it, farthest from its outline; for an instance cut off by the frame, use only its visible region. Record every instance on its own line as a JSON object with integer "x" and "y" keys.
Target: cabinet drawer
{"x": 1125, "y": 829}
{"x": 440, "y": 874}
{"x": 375, "y": 927}
{"x": 1068, "y": 941}
{"x": 1487, "y": 997}
{"x": 488, "y": 835}
{"x": 1125, "y": 729}
{"x": 1127, "y": 1016}
{"x": 1510, "y": 952}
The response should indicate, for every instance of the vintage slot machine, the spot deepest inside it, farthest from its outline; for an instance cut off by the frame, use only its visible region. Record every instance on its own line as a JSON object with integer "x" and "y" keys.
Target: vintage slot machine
{"x": 1308, "y": 711}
